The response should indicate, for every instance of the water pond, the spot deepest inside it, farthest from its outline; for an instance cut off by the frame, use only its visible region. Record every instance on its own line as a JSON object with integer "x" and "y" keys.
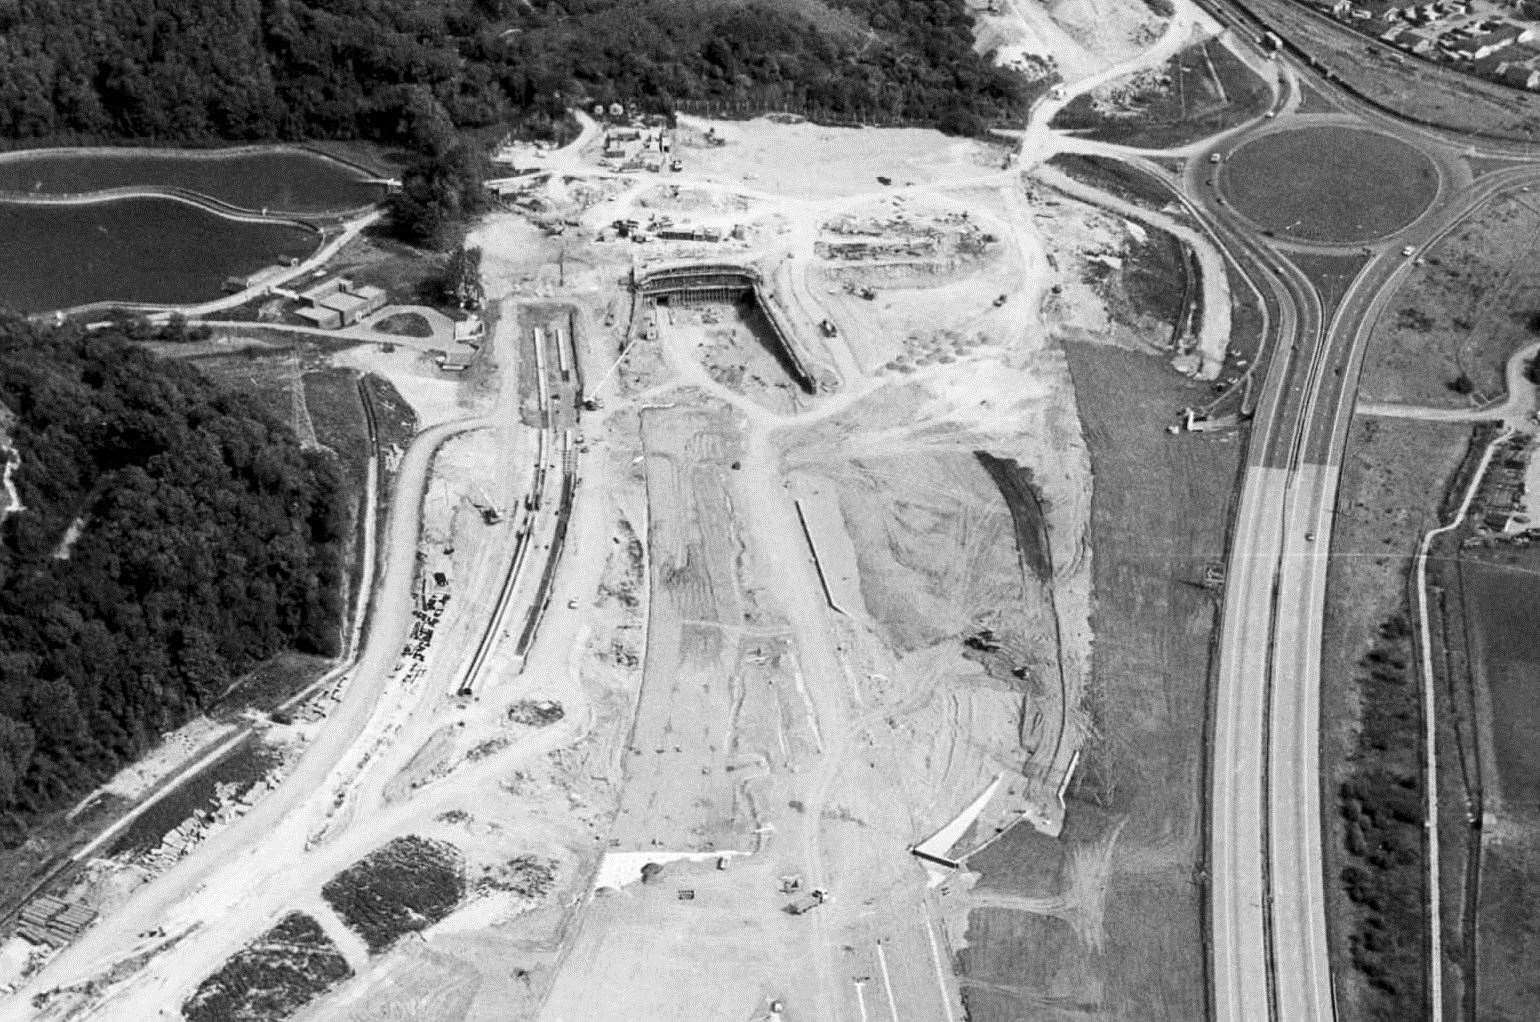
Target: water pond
{"x": 151, "y": 250}
{"x": 277, "y": 180}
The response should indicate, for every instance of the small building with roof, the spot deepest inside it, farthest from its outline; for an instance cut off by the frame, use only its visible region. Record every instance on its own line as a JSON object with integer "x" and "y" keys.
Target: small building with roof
{"x": 350, "y": 307}
{"x": 316, "y": 292}
{"x": 320, "y": 315}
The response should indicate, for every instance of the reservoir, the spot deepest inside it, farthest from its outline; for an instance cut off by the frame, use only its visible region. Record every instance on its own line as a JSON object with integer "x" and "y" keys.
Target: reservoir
{"x": 150, "y": 249}
{"x": 277, "y": 180}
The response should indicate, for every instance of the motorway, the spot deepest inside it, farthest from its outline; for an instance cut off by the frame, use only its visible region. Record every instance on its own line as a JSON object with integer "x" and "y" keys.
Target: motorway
{"x": 1267, "y": 877}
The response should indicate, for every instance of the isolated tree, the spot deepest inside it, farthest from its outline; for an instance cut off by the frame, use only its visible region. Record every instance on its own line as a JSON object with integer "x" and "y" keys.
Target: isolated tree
{"x": 462, "y": 278}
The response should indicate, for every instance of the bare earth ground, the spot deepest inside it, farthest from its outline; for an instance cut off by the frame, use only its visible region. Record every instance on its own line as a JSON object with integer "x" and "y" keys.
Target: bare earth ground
{"x": 791, "y": 633}
{"x": 1393, "y": 482}
{"x": 1466, "y": 311}
{"x": 1076, "y": 38}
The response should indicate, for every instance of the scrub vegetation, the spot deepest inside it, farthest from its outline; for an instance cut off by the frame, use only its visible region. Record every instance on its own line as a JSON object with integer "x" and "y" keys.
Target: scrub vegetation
{"x": 273, "y": 977}
{"x": 408, "y": 885}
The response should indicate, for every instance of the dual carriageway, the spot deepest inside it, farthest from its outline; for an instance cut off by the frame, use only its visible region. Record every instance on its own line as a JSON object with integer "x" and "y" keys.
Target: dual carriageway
{"x": 1266, "y": 875}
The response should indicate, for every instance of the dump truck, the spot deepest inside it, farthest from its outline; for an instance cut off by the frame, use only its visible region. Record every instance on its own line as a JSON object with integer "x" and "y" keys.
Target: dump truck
{"x": 807, "y": 902}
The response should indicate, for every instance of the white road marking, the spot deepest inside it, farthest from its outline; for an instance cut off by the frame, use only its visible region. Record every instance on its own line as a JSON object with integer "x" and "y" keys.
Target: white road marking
{"x": 887, "y": 981}
{"x": 935, "y": 957}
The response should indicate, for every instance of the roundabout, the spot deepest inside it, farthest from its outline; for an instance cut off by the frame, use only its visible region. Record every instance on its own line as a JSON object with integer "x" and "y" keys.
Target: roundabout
{"x": 1329, "y": 185}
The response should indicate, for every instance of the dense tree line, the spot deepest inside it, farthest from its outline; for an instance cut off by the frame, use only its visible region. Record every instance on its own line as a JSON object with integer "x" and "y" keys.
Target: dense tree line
{"x": 205, "y": 541}
{"x": 401, "y": 70}
{"x": 1382, "y": 811}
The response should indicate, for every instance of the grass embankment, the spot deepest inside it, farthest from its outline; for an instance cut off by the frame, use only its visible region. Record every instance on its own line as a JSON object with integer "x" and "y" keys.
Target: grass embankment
{"x": 1117, "y": 178}
{"x": 1158, "y": 518}
{"x": 1156, "y": 282}
{"x": 1201, "y": 91}
{"x": 1394, "y": 477}
{"x": 1414, "y": 88}
{"x": 1463, "y": 314}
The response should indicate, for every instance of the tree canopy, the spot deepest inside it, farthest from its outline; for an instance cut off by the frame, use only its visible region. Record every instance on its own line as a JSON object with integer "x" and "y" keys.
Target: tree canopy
{"x": 404, "y": 70}
{"x": 174, "y": 535}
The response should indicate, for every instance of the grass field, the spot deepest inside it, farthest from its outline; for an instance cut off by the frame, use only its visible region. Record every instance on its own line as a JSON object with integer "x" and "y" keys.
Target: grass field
{"x": 1393, "y": 481}
{"x": 405, "y": 324}
{"x": 1465, "y": 312}
{"x": 1331, "y": 274}
{"x": 1158, "y": 518}
{"x": 1500, "y": 602}
{"x": 1491, "y": 592}
{"x": 1331, "y": 184}
{"x": 1201, "y": 91}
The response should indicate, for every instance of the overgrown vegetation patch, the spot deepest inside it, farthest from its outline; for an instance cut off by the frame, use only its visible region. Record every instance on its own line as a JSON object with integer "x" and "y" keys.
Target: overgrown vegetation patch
{"x": 272, "y": 977}
{"x": 1201, "y": 91}
{"x": 528, "y": 876}
{"x": 403, "y": 887}
{"x": 1381, "y": 804}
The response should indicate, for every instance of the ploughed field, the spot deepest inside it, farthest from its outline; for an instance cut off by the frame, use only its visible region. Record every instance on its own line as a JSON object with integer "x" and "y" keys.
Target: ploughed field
{"x": 151, "y": 250}
{"x": 279, "y": 181}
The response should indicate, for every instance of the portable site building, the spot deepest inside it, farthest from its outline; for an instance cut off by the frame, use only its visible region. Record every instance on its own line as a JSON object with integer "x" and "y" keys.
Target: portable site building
{"x": 350, "y": 307}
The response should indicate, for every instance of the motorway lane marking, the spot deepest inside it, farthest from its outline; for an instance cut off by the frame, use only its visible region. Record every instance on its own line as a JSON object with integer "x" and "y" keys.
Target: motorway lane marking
{"x": 935, "y": 957}
{"x": 887, "y": 981}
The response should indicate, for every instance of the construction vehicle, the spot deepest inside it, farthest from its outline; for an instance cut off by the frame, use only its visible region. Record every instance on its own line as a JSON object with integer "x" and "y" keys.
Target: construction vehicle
{"x": 828, "y": 328}
{"x": 809, "y": 901}
{"x": 489, "y": 512}
{"x": 868, "y": 293}
{"x": 999, "y": 301}
{"x": 676, "y": 165}
{"x": 791, "y": 883}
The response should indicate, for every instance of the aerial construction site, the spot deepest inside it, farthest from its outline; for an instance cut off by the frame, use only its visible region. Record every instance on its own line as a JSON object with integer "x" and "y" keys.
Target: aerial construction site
{"x": 800, "y": 602}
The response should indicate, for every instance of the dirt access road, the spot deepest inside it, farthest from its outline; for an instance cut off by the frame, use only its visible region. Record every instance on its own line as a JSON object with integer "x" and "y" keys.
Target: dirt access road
{"x": 392, "y": 732}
